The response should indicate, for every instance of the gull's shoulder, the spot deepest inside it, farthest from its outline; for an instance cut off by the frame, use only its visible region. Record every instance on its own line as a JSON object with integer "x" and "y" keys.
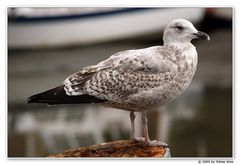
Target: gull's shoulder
{"x": 155, "y": 59}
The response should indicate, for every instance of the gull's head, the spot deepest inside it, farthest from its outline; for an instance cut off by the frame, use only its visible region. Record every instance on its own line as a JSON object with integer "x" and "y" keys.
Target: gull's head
{"x": 182, "y": 31}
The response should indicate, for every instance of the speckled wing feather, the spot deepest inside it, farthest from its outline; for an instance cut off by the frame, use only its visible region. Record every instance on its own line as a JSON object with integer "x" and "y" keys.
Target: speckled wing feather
{"x": 124, "y": 74}
{"x": 74, "y": 84}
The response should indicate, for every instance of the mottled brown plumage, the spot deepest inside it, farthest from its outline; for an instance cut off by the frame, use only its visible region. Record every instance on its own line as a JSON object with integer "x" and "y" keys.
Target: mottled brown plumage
{"x": 142, "y": 79}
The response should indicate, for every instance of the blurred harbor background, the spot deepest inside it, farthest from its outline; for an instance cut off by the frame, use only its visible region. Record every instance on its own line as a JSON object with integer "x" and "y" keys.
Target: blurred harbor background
{"x": 48, "y": 44}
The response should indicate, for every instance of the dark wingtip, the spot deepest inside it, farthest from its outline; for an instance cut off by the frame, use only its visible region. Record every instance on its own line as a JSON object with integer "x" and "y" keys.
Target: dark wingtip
{"x": 58, "y": 96}
{"x": 32, "y": 99}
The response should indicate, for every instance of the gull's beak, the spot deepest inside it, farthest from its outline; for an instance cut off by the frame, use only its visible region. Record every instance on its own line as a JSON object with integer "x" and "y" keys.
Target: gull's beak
{"x": 202, "y": 35}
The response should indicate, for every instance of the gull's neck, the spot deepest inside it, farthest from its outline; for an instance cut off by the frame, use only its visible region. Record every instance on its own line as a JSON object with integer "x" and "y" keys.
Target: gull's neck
{"x": 181, "y": 46}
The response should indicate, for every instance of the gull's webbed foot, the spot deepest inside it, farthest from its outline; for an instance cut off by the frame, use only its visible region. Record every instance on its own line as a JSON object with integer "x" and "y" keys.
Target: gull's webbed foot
{"x": 138, "y": 139}
{"x": 155, "y": 143}
{"x": 149, "y": 142}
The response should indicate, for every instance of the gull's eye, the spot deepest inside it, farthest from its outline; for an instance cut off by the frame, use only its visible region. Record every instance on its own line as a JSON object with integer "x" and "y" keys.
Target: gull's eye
{"x": 179, "y": 27}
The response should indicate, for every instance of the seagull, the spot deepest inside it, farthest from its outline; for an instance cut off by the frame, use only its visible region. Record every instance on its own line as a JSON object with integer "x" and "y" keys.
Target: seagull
{"x": 138, "y": 80}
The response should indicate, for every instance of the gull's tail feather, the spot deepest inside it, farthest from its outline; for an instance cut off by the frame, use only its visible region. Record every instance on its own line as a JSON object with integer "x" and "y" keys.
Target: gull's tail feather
{"x": 58, "y": 96}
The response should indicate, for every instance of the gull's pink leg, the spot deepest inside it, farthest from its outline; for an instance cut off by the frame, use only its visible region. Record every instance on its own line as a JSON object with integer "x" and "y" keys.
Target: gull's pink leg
{"x": 145, "y": 126}
{"x": 132, "y": 117}
{"x": 148, "y": 142}
{"x": 133, "y": 136}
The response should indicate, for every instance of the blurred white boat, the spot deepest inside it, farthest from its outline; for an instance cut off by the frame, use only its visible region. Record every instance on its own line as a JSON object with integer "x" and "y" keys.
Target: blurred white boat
{"x": 55, "y": 27}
